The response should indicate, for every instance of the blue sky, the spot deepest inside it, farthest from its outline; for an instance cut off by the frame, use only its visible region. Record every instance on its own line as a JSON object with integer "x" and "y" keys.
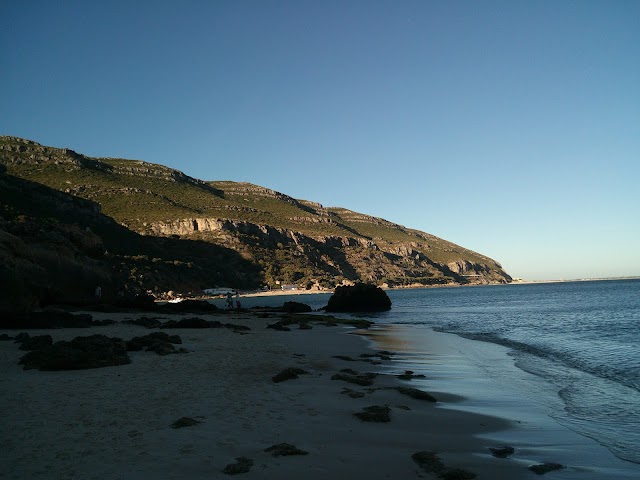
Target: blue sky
{"x": 509, "y": 127}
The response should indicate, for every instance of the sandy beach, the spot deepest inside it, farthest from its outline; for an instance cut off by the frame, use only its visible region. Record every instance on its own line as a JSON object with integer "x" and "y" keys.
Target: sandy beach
{"x": 116, "y": 422}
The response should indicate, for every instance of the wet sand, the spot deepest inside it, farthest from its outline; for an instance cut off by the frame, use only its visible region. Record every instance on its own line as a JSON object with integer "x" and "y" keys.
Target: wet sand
{"x": 482, "y": 377}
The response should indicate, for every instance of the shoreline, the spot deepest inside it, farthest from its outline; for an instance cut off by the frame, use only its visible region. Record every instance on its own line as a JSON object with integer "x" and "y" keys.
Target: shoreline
{"x": 80, "y": 421}
{"x": 486, "y": 380}
{"x": 281, "y": 293}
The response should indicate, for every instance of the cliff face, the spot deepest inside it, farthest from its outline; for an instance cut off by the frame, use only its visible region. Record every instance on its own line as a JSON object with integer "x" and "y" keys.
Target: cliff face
{"x": 354, "y": 258}
{"x": 283, "y": 239}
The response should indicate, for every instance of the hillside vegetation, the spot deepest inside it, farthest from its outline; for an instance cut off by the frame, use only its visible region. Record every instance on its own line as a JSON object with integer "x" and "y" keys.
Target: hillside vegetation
{"x": 281, "y": 240}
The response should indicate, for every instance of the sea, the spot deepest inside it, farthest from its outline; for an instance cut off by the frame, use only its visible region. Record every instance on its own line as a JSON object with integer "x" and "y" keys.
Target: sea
{"x": 560, "y": 359}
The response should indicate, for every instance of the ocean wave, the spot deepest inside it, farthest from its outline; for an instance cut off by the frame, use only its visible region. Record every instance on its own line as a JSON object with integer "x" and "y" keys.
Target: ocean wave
{"x": 622, "y": 376}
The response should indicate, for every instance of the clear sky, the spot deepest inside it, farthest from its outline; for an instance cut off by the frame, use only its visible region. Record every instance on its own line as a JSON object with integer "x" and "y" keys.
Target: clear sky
{"x": 509, "y": 127}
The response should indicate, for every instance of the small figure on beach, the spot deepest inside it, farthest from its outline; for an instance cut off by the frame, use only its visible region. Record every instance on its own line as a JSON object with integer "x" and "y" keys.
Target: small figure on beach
{"x": 238, "y": 306}
{"x": 98, "y": 293}
{"x": 229, "y": 300}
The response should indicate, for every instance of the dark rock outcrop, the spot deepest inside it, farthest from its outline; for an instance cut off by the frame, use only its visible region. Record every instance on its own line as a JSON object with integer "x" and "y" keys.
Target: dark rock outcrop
{"x": 345, "y": 358}
{"x": 288, "y": 374}
{"x": 164, "y": 348}
{"x": 375, "y": 413}
{"x": 415, "y": 393}
{"x": 502, "y": 452}
{"x": 140, "y": 343}
{"x": 352, "y": 393}
{"x": 36, "y": 343}
{"x": 428, "y": 461}
{"x": 279, "y": 326}
{"x": 184, "y": 422}
{"x": 102, "y": 323}
{"x": 296, "y": 307}
{"x": 362, "y": 380}
{"x": 242, "y": 465}
{"x": 287, "y": 307}
{"x": 431, "y": 463}
{"x": 148, "y": 322}
{"x": 188, "y": 306}
{"x": 192, "y": 322}
{"x": 543, "y": 468}
{"x": 284, "y": 449}
{"x": 21, "y": 337}
{"x": 361, "y": 297}
{"x": 409, "y": 375}
{"x": 237, "y": 328}
{"x": 45, "y": 319}
{"x": 80, "y": 353}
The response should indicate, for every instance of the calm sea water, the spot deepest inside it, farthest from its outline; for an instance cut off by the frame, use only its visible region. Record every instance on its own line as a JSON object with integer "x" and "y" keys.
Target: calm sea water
{"x": 583, "y": 338}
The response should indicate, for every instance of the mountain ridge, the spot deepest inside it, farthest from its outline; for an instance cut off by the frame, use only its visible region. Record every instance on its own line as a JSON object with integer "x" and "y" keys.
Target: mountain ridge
{"x": 291, "y": 241}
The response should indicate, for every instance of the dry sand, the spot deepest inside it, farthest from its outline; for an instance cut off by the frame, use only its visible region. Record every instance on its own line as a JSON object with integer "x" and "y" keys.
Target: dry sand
{"x": 115, "y": 422}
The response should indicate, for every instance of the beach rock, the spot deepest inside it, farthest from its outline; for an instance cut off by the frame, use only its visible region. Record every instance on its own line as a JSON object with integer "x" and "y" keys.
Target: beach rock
{"x": 431, "y": 463}
{"x": 360, "y": 297}
{"x": 502, "y": 452}
{"x": 287, "y": 307}
{"x": 296, "y": 307}
{"x": 379, "y": 355}
{"x": 146, "y": 341}
{"x": 388, "y": 354}
{"x": 543, "y": 468}
{"x": 4, "y": 337}
{"x": 415, "y": 393}
{"x": 102, "y": 323}
{"x": 192, "y": 322}
{"x": 21, "y": 337}
{"x": 188, "y": 306}
{"x": 352, "y": 393}
{"x": 457, "y": 474}
{"x": 279, "y": 326}
{"x": 45, "y": 319}
{"x": 285, "y": 449}
{"x": 346, "y": 358}
{"x": 355, "y": 322}
{"x": 242, "y": 465}
{"x": 158, "y": 342}
{"x": 148, "y": 322}
{"x": 36, "y": 343}
{"x": 288, "y": 374}
{"x": 236, "y": 328}
{"x": 375, "y": 413}
{"x": 362, "y": 380}
{"x": 428, "y": 461}
{"x": 162, "y": 348}
{"x": 184, "y": 422}
{"x": 94, "y": 351}
{"x": 409, "y": 375}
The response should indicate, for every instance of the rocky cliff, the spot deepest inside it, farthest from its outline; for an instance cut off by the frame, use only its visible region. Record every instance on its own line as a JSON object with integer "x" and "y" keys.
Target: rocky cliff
{"x": 284, "y": 240}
